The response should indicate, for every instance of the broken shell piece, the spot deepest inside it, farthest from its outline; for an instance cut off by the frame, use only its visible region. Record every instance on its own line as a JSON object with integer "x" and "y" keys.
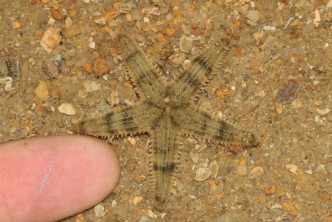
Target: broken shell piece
{"x": 214, "y": 166}
{"x": 99, "y": 210}
{"x": 67, "y": 109}
{"x": 50, "y": 39}
{"x": 52, "y": 67}
{"x": 202, "y": 174}
{"x": 292, "y": 168}
{"x": 8, "y": 82}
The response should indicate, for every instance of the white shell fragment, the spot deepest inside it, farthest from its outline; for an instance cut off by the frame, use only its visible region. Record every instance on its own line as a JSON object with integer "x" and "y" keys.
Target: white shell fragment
{"x": 99, "y": 211}
{"x": 292, "y": 168}
{"x": 8, "y": 82}
{"x": 202, "y": 174}
{"x": 91, "y": 86}
{"x": 50, "y": 39}
{"x": 67, "y": 109}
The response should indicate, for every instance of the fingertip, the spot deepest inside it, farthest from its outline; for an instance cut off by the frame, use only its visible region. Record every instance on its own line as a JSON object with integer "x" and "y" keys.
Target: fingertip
{"x": 49, "y": 178}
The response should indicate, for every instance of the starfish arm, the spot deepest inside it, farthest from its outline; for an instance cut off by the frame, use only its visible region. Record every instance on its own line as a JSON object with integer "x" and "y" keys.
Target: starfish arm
{"x": 140, "y": 68}
{"x": 205, "y": 126}
{"x": 132, "y": 119}
{"x": 163, "y": 160}
{"x": 198, "y": 73}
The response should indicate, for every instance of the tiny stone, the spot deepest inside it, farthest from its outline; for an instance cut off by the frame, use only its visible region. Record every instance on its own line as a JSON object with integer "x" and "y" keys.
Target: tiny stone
{"x": 99, "y": 211}
{"x": 323, "y": 112}
{"x": 52, "y": 67}
{"x": 308, "y": 172}
{"x": 101, "y": 21}
{"x": 194, "y": 157}
{"x": 92, "y": 45}
{"x": 91, "y": 86}
{"x": 151, "y": 214}
{"x": 270, "y": 190}
{"x": 253, "y": 15}
{"x": 242, "y": 167}
{"x": 320, "y": 168}
{"x": 257, "y": 171}
{"x": 177, "y": 59}
{"x": 292, "y": 168}
{"x": 67, "y": 109}
{"x": 202, "y": 174}
{"x": 42, "y": 91}
{"x": 68, "y": 22}
{"x": 137, "y": 200}
{"x": 144, "y": 219}
{"x": 278, "y": 107}
{"x": 186, "y": 44}
{"x": 72, "y": 31}
{"x": 261, "y": 94}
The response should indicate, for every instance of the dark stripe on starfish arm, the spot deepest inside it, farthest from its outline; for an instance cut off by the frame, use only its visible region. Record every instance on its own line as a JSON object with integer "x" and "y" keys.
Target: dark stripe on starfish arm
{"x": 190, "y": 79}
{"x": 80, "y": 127}
{"x": 165, "y": 168}
{"x": 158, "y": 199}
{"x": 201, "y": 61}
{"x": 162, "y": 151}
{"x": 131, "y": 56}
{"x": 109, "y": 122}
{"x": 204, "y": 126}
{"x": 174, "y": 122}
{"x": 223, "y": 132}
{"x": 142, "y": 78}
{"x": 126, "y": 119}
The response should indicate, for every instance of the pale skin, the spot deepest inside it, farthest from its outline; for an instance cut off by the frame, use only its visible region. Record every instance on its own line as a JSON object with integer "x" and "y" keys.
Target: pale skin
{"x": 51, "y": 178}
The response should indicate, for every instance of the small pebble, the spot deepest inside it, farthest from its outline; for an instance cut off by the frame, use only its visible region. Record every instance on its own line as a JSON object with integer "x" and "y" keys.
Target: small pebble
{"x": 101, "y": 21}
{"x": 52, "y": 67}
{"x": 144, "y": 219}
{"x": 68, "y": 22}
{"x": 186, "y": 44}
{"x": 256, "y": 172}
{"x": 42, "y": 91}
{"x": 242, "y": 167}
{"x": 100, "y": 67}
{"x": 137, "y": 200}
{"x": 92, "y": 45}
{"x": 88, "y": 67}
{"x": 151, "y": 214}
{"x": 270, "y": 190}
{"x": 202, "y": 174}
{"x": 151, "y": 10}
{"x": 223, "y": 95}
{"x": 177, "y": 59}
{"x": 72, "y": 31}
{"x": 292, "y": 168}
{"x": 3, "y": 68}
{"x": 99, "y": 211}
{"x": 323, "y": 112}
{"x": 317, "y": 18}
{"x": 67, "y": 109}
{"x": 194, "y": 157}
{"x": 91, "y": 86}
{"x": 288, "y": 90}
{"x": 290, "y": 208}
{"x": 56, "y": 14}
{"x": 261, "y": 94}
{"x": 253, "y": 15}
{"x": 214, "y": 167}
{"x": 278, "y": 107}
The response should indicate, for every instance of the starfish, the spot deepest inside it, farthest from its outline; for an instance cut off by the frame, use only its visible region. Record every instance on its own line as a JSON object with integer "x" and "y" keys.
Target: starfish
{"x": 166, "y": 111}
